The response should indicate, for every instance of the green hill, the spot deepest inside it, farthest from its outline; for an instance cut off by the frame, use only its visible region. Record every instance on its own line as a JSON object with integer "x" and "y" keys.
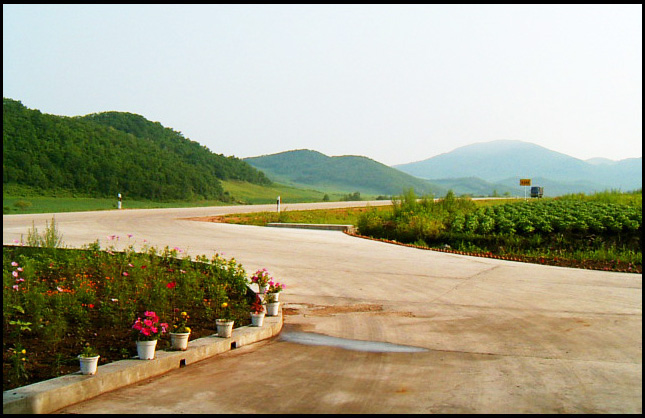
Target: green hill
{"x": 103, "y": 154}
{"x": 306, "y": 168}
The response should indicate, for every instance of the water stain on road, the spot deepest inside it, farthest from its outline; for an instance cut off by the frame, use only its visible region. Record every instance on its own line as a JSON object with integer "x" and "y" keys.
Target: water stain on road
{"x": 310, "y": 338}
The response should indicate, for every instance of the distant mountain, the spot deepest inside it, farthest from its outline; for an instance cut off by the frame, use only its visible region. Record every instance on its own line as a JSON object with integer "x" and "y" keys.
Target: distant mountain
{"x": 600, "y": 161}
{"x": 475, "y": 186}
{"x": 307, "y": 168}
{"x": 499, "y": 161}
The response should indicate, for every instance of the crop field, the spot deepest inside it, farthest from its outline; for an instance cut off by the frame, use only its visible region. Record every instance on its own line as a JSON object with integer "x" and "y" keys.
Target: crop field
{"x": 602, "y": 233}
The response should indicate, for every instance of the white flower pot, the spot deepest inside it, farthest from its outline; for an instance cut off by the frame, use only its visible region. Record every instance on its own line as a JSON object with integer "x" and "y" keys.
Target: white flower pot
{"x": 89, "y": 364}
{"x": 272, "y": 308}
{"x": 273, "y": 296}
{"x": 257, "y": 319}
{"x": 146, "y": 349}
{"x": 224, "y": 328}
{"x": 179, "y": 340}
{"x": 263, "y": 289}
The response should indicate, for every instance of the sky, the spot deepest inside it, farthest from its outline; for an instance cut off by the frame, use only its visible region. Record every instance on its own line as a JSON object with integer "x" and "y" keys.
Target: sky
{"x": 395, "y": 83}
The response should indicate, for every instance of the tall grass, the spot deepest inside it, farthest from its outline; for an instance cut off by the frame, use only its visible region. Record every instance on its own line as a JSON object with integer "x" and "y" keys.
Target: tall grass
{"x": 51, "y": 238}
{"x": 634, "y": 197}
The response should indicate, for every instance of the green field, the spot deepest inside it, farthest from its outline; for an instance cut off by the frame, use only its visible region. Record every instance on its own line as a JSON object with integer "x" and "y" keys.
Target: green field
{"x": 341, "y": 216}
{"x": 16, "y": 200}
{"x": 48, "y": 204}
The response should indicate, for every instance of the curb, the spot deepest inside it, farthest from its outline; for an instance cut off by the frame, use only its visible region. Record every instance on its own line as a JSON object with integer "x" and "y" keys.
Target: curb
{"x": 53, "y": 394}
{"x": 327, "y": 227}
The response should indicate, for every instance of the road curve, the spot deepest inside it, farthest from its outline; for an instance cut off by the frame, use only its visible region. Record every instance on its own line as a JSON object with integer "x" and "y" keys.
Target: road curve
{"x": 493, "y": 336}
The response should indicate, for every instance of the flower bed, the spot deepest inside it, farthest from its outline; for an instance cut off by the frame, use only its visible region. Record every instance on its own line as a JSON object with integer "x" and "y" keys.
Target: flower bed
{"x": 57, "y": 300}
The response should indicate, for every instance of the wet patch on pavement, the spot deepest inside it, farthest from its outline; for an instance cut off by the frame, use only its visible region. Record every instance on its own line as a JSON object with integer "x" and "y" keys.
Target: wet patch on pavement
{"x": 310, "y": 338}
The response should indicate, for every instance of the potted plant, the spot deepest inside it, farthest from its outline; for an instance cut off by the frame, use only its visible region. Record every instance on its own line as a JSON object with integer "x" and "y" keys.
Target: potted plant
{"x": 274, "y": 289}
{"x": 225, "y": 320}
{"x": 147, "y": 331}
{"x": 272, "y": 304}
{"x": 261, "y": 278}
{"x": 180, "y": 332}
{"x": 257, "y": 312}
{"x": 89, "y": 359}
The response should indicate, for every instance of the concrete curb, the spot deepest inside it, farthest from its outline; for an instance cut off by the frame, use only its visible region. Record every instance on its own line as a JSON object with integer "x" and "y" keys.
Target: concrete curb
{"x": 328, "y": 227}
{"x": 51, "y": 395}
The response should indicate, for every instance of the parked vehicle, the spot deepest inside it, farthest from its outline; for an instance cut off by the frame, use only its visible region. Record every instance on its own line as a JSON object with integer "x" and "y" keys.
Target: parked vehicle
{"x": 537, "y": 191}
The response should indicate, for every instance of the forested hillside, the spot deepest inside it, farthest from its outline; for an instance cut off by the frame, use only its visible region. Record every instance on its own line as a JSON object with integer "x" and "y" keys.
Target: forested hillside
{"x": 307, "y": 168}
{"x": 113, "y": 152}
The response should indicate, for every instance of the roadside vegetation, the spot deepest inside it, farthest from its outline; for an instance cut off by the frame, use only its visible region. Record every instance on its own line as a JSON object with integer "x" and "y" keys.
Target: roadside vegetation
{"x": 341, "y": 216}
{"x": 600, "y": 231}
{"x": 57, "y": 300}
{"x": 18, "y": 199}
{"x": 596, "y": 231}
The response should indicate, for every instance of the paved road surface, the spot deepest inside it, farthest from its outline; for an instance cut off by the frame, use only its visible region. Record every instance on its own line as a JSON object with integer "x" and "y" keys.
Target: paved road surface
{"x": 497, "y": 336}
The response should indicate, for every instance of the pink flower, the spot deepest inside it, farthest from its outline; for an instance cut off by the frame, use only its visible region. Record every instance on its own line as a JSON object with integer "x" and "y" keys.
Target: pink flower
{"x": 171, "y": 285}
{"x": 146, "y": 332}
{"x": 147, "y": 322}
{"x": 154, "y": 330}
{"x": 14, "y": 273}
{"x": 15, "y": 287}
{"x": 125, "y": 273}
{"x": 13, "y": 263}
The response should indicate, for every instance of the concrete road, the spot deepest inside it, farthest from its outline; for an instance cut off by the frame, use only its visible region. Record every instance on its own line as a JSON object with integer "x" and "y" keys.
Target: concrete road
{"x": 495, "y": 336}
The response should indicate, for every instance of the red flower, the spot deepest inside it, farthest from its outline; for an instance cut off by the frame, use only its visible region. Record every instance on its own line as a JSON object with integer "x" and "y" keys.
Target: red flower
{"x": 171, "y": 285}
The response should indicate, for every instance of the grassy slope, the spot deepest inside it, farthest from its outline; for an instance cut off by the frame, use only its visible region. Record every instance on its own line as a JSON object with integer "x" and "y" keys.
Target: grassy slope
{"x": 242, "y": 193}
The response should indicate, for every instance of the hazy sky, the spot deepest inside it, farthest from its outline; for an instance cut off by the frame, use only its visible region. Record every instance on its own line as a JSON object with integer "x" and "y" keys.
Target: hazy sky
{"x": 396, "y": 83}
